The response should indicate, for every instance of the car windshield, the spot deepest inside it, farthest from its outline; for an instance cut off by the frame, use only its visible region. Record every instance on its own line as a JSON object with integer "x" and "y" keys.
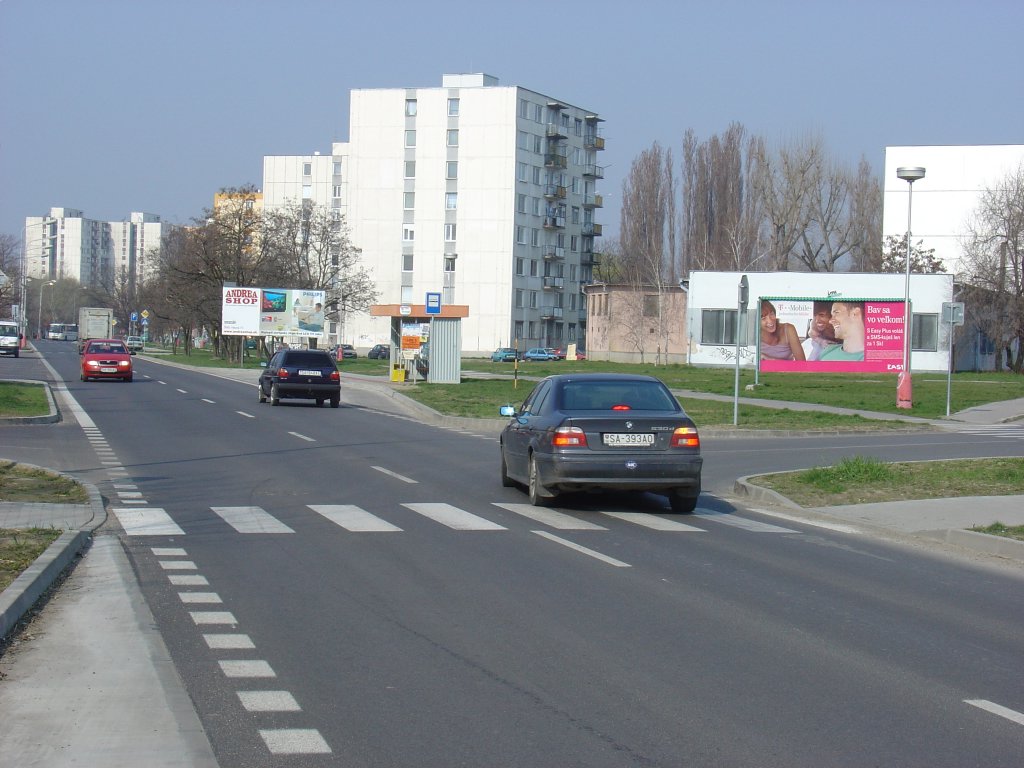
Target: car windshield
{"x": 606, "y": 395}
{"x": 107, "y": 349}
{"x": 307, "y": 360}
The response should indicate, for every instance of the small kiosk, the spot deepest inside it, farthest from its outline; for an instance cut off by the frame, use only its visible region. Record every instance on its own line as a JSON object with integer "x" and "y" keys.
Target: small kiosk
{"x": 426, "y": 340}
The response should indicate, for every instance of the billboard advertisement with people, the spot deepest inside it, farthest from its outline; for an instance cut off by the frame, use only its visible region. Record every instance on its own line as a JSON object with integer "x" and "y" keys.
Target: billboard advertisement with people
{"x": 860, "y": 335}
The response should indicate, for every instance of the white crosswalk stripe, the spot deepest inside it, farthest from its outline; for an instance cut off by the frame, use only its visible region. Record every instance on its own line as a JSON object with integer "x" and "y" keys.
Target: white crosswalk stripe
{"x": 549, "y": 517}
{"x": 741, "y": 522}
{"x": 993, "y": 430}
{"x": 145, "y": 521}
{"x": 453, "y": 517}
{"x": 251, "y": 520}
{"x": 653, "y": 521}
{"x": 352, "y": 518}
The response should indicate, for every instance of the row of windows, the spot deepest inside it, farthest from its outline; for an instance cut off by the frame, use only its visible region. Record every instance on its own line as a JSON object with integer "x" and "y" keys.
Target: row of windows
{"x": 307, "y": 170}
{"x": 528, "y": 299}
{"x": 451, "y": 138}
{"x": 718, "y": 326}
{"x": 451, "y": 169}
{"x": 451, "y": 201}
{"x": 536, "y": 112}
{"x": 532, "y": 326}
{"x": 409, "y": 233}
{"x": 453, "y": 107}
{"x": 407, "y": 263}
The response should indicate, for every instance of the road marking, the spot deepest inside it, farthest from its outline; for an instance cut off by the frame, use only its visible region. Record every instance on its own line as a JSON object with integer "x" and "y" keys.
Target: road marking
{"x": 302, "y": 437}
{"x": 996, "y": 709}
{"x": 453, "y": 517}
{"x": 177, "y": 565}
{"x": 186, "y": 580}
{"x": 229, "y": 642}
{"x": 403, "y": 478}
{"x": 204, "y": 598}
{"x": 816, "y": 523}
{"x": 268, "y": 701}
{"x": 211, "y": 402}
{"x": 653, "y": 522}
{"x": 168, "y": 551}
{"x": 583, "y": 550}
{"x": 741, "y": 522}
{"x": 247, "y": 415}
{"x": 183, "y": 391}
{"x": 246, "y": 668}
{"x": 352, "y": 518}
{"x": 558, "y": 520}
{"x": 251, "y": 520}
{"x": 212, "y": 617}
{"x": 152, "y": 521}
{"x": 294, "y": 741}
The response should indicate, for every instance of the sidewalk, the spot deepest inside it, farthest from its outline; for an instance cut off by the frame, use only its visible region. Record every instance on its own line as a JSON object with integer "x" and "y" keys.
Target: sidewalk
{"x": 93, "y": 683}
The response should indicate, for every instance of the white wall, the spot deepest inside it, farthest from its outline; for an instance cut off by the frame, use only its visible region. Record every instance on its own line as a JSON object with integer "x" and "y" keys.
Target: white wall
{"x": 718, "y": 290}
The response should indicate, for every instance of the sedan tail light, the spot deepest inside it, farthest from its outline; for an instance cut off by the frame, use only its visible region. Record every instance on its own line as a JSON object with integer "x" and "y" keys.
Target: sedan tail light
{"x": 685, "y": 437}
{"x": 282, "y": 373}
{"x": 569, "y": 437}
{"x": 335, "y": 376}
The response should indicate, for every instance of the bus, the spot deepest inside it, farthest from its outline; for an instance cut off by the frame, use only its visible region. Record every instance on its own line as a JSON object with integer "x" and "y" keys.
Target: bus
{"x": 62, "y": 332}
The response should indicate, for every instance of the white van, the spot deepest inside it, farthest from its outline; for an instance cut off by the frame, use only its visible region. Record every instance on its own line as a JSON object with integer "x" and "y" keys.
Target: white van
{"x": 10, "y": 338}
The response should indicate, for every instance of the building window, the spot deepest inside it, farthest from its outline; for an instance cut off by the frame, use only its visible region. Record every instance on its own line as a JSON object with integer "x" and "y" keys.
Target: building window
{"x": 524, "y": 108}
{"x": 579, "y": 127}
{"x": 453, "y": 137}
{"x": 521, "y": 203}
{"x": 536, "y": 175}
{"x": 925, "y": 333}
{"x": 409, "y": 200}
{"x": 337, "y": 167}
{"x": 718, "y": 326}
{"x": 535, "y": 237}
{"x": 533, "y": 299}
{"x": 650, "y": 308}
{"x": 452, "y": 169}
{"x": 307, "y": 169}
{"x": 337, "y": 190}
{"x": 520, "y": 266}
{"x": 533, "y": 267}
{"x": 517, "y": 330}
{"x": 408, "y": 234}
{"x": 410, "y": 138}
{"x": 523, "y": 140}
{"x": 573, "y": 243}
{"x": 453, "y": 107}
{"x": 410, "y": 107}
{"x": 575, "y": 215}
{"x": 407, "y": 262}
{"x": 451, "y": 201}
{"x": 410, "y": 169}
{"x": 449, "y": 263}
{"x": 538, "y": 113}
{"x": 406, "y": 294}
{"x": 538, "y": 145}
{"x": 521, "y": 235}
{"x": 519, "y": 298}
{"x": 449, "y": 233}
{"x": 523, "y": 173}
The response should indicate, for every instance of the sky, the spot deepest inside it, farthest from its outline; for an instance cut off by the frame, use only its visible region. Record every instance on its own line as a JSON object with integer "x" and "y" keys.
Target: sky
{"x": 114, "y": 106}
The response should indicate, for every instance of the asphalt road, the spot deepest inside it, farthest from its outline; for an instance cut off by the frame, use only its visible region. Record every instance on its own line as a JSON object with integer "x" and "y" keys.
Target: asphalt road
{"x": 359, "y": 588}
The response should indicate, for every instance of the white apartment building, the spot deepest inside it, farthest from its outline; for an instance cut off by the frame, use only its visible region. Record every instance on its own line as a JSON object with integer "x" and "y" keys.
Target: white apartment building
{"x": 481, "y": 192}
{"x": 65, "y": 244}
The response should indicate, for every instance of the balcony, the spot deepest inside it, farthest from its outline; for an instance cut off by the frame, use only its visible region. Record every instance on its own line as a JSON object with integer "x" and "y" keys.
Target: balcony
{"x": 554, "y": 283}
{"x": 593, "y": 141}
{"x": 554, "y": 192}
{"x": 553, "y": 253}
{"x": 589, "y": 258}
{"x": 593, "y": 201}
{"x": 550, "y": 313}
{"x": 593, "y": 171}
{"x": 553, "y": 131}
{"x": 591, "y": 229}
{"x": 554, "y": 222}
{"x": 556, "y": 160}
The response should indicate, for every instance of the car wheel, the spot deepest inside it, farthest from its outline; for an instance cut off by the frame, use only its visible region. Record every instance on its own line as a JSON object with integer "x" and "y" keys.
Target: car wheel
{"x": 682, "y": 504}
{"x": 319, "y": 402}
{"x": 539, "y": 495}
{"x": 127, "y": 379}
{"x": 506, "y": 481}
{"x": 335, "y": 401}
{"x": 263, "y": 395}
{"x": 275, "y": 395}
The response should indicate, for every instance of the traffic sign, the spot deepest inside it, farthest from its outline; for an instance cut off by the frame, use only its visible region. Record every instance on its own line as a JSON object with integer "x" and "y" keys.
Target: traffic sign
{"x": 405, "y": 309}
{"x": 433, "y": 303}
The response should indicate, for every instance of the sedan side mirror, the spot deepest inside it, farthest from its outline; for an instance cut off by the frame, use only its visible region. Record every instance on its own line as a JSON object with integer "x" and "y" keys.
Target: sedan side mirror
{"x": 507, "y": 410}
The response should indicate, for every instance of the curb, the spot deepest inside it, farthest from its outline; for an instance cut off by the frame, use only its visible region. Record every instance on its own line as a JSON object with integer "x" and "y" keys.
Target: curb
{"x": 50, "y": 418}
{"x": 986, "y": 543}
{"x": 22, "y": 593}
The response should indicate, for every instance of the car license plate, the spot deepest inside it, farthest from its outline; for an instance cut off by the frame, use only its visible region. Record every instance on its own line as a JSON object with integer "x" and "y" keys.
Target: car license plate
{"x": 108, "y": 370}
{"x": 309, "y": 373}
{"x": 630, "y": 438}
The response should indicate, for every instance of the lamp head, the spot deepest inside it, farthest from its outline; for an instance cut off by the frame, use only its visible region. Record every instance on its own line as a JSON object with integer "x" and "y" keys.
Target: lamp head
{"x": 910, "y": 173}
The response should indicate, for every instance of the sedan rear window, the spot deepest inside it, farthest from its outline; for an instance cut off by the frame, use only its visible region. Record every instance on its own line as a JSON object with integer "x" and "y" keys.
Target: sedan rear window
{"x": 308, "y": 360}
{"x": 605, "y": 395}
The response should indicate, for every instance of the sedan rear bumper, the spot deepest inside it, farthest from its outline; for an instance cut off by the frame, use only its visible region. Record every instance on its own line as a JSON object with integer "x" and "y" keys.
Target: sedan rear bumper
{"x": 635, "y": 471}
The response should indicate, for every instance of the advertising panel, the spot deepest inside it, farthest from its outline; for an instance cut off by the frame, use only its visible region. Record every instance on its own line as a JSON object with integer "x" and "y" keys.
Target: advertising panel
{"x": 272, "y": 312}
{"x": 861, "y": 335}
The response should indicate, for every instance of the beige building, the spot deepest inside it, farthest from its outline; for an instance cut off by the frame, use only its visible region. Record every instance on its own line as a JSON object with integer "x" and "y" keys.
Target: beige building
{"x": 636, "y": 324}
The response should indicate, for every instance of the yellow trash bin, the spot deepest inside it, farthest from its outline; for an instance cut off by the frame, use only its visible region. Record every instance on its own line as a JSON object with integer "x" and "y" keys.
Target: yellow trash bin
{"x": 398, "y": 373}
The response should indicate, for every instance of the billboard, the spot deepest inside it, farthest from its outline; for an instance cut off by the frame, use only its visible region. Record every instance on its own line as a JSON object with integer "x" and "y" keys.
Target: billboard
{"x": 832, "y": 334}
{"x": 272, "y": 312}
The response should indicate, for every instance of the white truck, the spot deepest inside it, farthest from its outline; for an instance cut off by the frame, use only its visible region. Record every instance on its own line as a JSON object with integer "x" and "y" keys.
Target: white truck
{"x": 94, "y": 323}
{"x": 10, "y": 337}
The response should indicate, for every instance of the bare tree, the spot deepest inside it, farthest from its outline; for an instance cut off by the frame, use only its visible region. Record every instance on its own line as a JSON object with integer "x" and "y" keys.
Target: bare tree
{"x": 10, "y": 273}
{"x": 993, "y": 266}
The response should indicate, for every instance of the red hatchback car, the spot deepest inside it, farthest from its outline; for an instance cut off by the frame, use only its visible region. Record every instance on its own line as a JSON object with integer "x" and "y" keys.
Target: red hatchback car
{"x": 106, "y": 359}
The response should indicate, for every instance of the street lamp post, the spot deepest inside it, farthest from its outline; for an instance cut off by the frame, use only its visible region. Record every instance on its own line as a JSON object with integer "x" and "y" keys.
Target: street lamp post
{"x": 39, "y": 322}
{"x": 904, "y": 385}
